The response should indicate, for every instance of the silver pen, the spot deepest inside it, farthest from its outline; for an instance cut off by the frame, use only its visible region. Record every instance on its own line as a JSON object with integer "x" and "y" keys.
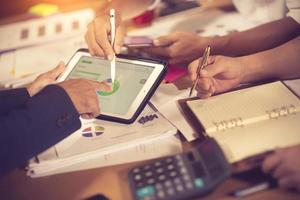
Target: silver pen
{"x": 200, "y": 67}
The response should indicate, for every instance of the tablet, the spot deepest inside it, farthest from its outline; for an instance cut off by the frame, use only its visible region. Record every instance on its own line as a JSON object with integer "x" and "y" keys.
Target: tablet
{"x": 136, "y": 80}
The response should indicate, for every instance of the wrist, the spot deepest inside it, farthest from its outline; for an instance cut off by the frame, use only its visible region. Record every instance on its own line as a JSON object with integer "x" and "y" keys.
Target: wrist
{"x": 218, "y": 44}
{"x": 252, "y": 69}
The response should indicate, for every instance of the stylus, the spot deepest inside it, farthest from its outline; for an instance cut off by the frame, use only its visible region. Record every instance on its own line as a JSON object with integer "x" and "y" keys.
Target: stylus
{"x": 112, "y": 39}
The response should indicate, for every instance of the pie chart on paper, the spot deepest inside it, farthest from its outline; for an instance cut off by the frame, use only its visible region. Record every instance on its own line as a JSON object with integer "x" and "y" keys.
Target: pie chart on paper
{"x": 93, "y": 131}
{"x": 115, "y": 88}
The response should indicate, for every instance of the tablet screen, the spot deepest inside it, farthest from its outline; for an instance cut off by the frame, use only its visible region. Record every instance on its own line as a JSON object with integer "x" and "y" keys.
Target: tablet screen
{"x": 130, "y": 79}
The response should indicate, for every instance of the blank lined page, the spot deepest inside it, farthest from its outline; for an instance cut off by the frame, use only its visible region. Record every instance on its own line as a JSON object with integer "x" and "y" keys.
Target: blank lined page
{"x": 244, "y": 107}
{"x": 257, "y": 138}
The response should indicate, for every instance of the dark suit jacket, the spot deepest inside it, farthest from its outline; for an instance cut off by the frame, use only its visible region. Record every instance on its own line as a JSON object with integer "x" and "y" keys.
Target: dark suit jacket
{"x": 30, "y": 125}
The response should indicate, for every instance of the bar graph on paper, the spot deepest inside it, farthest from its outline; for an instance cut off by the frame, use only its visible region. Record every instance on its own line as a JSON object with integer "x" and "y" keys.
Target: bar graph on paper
{"x": 41, "y": 30}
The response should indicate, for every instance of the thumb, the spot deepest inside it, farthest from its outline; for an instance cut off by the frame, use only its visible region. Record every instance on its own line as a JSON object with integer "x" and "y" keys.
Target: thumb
{"x": 54, "y": 73}
{"x": 164, "y": 40}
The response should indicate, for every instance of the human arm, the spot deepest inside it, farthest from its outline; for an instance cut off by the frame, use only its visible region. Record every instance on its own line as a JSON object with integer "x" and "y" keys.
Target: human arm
{"x": 224, "y": 73}
{"x": 284, "y": 165}
{"x": 45, "y": 119}
{"x": 183, "y": 47}
{"x": 257, "y": 39}
{"x": 10, "y": 99}
{"x": 280, "y": 63}
{"x": 14, "y": 98}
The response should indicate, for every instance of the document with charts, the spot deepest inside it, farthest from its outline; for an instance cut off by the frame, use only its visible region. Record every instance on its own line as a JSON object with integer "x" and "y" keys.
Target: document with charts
{"x": 44, "y": 30}
{"x": 101, "y": 143}
{"x": 250, "y": 121}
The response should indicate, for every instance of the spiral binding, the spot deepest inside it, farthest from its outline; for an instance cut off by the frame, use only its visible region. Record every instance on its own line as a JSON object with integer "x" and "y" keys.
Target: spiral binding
{"x": 283, "y": 111}
{"x": 275, "y": 113}
{"x": 229, "y": 124}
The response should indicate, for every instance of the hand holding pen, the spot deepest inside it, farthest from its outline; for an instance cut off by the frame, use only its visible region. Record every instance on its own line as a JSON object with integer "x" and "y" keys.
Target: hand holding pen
{"x": 97, "y": 35}
{"x": 220, "y": 74}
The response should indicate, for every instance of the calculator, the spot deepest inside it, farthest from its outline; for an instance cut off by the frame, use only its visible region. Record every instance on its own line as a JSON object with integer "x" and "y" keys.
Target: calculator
{"x": 182, "y": 176}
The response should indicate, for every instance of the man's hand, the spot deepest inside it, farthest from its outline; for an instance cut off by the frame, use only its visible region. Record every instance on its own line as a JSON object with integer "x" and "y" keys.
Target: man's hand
{"x": 45, "y": 79}
{"x": 220, "y": 75}
{"x": 178, "y": 47}
{"x": 97, "y": 36}
{"x": 284, "y": 165}
{"x": 83, "y": 95}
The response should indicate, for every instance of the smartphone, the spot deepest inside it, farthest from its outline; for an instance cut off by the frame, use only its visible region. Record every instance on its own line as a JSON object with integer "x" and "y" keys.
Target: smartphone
{"x": 182, "y": 176}
{"x": 138, "y": 41}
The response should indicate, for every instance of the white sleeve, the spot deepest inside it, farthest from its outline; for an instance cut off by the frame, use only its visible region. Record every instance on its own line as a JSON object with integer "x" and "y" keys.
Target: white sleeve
{"x": 294, "y": 9}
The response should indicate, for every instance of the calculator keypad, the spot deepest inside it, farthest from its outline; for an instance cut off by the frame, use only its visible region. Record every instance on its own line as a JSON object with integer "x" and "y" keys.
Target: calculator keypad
{"x": 163, "y": 179}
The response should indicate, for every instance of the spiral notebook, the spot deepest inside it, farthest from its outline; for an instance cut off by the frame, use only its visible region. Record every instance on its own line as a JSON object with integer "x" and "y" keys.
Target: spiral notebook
{"x": 250, "y": 121}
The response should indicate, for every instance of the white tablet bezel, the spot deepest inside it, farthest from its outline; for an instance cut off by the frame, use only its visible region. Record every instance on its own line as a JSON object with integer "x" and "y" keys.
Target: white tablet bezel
{"x": 148, "y": 86}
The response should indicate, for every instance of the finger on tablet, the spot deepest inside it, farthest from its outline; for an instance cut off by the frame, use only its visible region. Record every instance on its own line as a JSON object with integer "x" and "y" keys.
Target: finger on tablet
{"x": 104, "y": 86}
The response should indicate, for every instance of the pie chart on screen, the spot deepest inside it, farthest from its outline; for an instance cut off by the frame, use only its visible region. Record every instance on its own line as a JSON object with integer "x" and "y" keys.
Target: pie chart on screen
{"x": 93, "y": 131}
{"x": 115, "y": 88}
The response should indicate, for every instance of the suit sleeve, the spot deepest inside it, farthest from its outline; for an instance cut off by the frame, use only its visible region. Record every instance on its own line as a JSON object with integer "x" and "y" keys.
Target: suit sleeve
{"x": 10, "y": 99}
{"x": 44, "y": 120}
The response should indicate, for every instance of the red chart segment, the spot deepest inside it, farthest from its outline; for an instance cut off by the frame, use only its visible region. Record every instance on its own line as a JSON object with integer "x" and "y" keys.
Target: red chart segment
{"x": 93, "y": 131}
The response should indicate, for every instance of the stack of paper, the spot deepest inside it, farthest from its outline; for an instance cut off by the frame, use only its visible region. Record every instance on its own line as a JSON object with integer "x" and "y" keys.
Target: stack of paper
{"x": 101, "y": 143}
{"x": 165, "y": 100}
{"x": 38, "y": 45}
{"x": 44, "y": 30}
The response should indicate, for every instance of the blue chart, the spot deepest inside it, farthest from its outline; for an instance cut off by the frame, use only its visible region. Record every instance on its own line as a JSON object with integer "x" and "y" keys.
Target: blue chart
{"x": 93, "y": 131}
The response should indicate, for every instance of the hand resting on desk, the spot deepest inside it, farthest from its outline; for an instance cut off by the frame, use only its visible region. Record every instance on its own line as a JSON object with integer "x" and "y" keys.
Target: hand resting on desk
{"x": 284, "y": 165}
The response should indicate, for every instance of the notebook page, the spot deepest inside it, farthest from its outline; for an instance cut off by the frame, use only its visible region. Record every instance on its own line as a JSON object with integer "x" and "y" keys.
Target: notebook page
{"x": 260, "y": 137}
{"x": 243, "y": 107}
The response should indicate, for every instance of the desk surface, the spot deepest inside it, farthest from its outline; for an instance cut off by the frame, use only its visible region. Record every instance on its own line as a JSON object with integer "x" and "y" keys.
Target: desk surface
{"x": 110, "y": 181}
